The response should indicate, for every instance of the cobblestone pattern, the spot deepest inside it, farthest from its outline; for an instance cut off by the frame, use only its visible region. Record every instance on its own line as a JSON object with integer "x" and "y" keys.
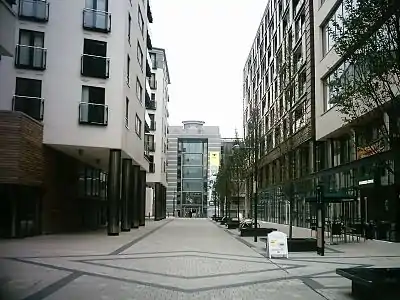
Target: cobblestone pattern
{"x": 171, "y": 259}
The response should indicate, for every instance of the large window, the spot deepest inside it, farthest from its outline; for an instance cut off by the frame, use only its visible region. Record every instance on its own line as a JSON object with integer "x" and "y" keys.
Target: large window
{"x": 192, "y": 198}
{"x": 192, "y": 172}
{"x": 192, "y": 185}
{"x": 329, "y": 30}
{"x": 193, "y": 159}
{"x": 343, "y": 75}
{"x": 192, "y": 147}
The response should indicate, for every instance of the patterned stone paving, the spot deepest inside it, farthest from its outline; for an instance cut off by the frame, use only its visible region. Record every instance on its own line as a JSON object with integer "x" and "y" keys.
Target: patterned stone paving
{"x": 171, "y": 259}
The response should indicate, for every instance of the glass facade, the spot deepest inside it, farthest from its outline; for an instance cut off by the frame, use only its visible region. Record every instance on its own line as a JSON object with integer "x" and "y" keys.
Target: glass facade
{"x": 344, "y": 166}
{"x": 192, "y": 177}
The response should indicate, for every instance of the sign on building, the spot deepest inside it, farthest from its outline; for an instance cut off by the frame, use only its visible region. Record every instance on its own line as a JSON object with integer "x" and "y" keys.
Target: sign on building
{"x": 277, "y": 245}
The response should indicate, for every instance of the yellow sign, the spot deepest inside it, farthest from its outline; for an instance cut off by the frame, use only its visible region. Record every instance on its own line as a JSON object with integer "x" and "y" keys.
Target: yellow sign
{"x": 214, "y": 158}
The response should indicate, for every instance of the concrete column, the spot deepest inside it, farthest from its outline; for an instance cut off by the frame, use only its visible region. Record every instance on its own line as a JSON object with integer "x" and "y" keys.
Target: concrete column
{"x": 157, "y": 201}
{"x": 311, "y": 157}
{"x": 126, "y": 192}
{"x": 142, "y": 210}
{"x": 135, "y": 196}
{"x": 113, "y": 191}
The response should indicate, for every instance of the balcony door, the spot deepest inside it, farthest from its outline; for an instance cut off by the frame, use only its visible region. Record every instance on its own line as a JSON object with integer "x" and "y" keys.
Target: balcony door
{"x": 98, "y": 17}
{"x": 93, "y": 110}
{"x": 33, "y": 8}
{"x": 30, "y": 49}
{"x": 28, "y": 97}
{"x": 94, "y": 60}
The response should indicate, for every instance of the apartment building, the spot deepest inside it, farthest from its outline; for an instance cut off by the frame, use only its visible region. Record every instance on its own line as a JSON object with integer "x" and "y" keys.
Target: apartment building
{"x": 156, "y": 100}
{"x": 193, "y": 152}
{"x": 7, "y": 27}
{"x": 352, "y": 158}
{"x": 74, "y": 116}
{"x": 278, "y": 92}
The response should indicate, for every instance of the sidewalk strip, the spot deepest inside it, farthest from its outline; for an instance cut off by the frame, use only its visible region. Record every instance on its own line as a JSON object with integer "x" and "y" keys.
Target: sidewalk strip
{"x": 137, "y": 240}
{"x": 54, "y": 287}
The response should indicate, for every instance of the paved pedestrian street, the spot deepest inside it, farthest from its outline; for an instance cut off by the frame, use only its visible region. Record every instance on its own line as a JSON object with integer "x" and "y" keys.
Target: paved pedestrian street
{"x": 175, "y": 259}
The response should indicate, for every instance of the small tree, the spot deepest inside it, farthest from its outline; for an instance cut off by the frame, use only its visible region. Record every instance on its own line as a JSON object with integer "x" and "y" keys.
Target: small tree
{"x": 238, "y": 168}
{"x": 253, "y": 145}
{"x": 367, "y": 37}
{"x": 223, "y": 186}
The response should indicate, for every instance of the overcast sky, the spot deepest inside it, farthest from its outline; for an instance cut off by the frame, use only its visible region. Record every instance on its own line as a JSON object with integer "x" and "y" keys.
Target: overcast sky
{"x": 207, "y": 43}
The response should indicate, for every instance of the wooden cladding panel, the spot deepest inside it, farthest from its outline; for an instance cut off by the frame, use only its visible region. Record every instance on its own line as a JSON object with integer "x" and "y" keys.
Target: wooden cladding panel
{"x": 21, "y": 150}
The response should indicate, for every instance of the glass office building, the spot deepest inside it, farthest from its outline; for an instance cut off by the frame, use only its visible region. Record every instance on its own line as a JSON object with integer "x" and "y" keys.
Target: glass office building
{"x": 189, "y": 150}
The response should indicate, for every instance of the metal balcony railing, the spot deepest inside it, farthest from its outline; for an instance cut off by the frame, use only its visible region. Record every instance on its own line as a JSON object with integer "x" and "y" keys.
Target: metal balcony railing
{"x": 93, "y": 114}
{"x": 32, "y": 106}
{"x": 33, "y": 10}
{"x": 95, "y": 66}
{"x": 96, "y": 20}
{"x": 30, "y": 57}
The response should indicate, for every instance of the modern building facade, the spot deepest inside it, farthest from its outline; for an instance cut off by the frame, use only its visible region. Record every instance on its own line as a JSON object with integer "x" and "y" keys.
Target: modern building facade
{"x": 279, "y": 88}
{"x": 351, "y": 159}
{"x": 7, "y": 27}
{"x": 157, "y": 99}
{"x": 74, "y": 112}
{"x": 193, "y": 153}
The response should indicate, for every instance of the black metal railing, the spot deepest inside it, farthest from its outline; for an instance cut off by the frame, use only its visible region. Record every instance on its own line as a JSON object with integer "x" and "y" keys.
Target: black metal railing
{"x": 96, "y": 20}
{"x": 95, "y": 66}
{"x": 30, "y": 57}
{"x": 32, "y": 106}
{"x": 33, "y": 10}
{"x": 93, "y": 114}
{"x": 153, "y": 83}
{"x": 151, "y": 104}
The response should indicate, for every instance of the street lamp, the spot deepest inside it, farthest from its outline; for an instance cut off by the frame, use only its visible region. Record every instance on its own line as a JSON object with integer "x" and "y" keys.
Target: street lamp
{"x": 255, "y": 186}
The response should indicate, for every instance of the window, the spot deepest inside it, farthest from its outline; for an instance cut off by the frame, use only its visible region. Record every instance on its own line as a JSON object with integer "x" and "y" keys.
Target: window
{"x": 127, "y": 113}
{"x": 152, "y": 122}
{"x": 153, "y": 97}
{"x": 27, "y": 99}
{"x": 193, "y": 159}
{"x": 140, "y": 56}
{"x": 94, "y": 60}
{"x": 153, "y": 58}
{"x": 153, "y": 82}
{"x": 128, "y": 69}
{"x": 139, "y": 90}
{"x": 129, "y": 27}
{"x": 192, "y": 172}
{"x": 138, "y": 126}
{"x": 140, "y": 20}
{"x": 96, "y": 15}
{"x": 30, "y": 52}
{"x": 92, "y": 108}
{"x": 329, "y": 29}
{"x": 192, "y": 185}
{"x": 150, "y": 142}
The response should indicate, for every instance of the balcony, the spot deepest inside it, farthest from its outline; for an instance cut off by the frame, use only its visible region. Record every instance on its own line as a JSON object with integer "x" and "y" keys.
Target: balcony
{"x": 150, "y": 104}
{"x": 149, "y": 13}
{"x": 30, "y": 57}
{"x": 95, "y": 66}
{"x": 32, "y": 106}
{"x": 153, "y": 83}
{"x": 7, "y": 29}
{"x": 96, "y": 20}
{"x": 149, "y": 43}
{"x": 37, "y": 11}
{"x": 93, "y": 114}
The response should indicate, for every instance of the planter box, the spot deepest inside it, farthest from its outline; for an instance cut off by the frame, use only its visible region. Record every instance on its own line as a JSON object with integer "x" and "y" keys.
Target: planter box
{"x": 373, "y": 283}
{"x": 232, "y": 224}
{"x": 253, "y": 231}
{"x": 302, "y": 245}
